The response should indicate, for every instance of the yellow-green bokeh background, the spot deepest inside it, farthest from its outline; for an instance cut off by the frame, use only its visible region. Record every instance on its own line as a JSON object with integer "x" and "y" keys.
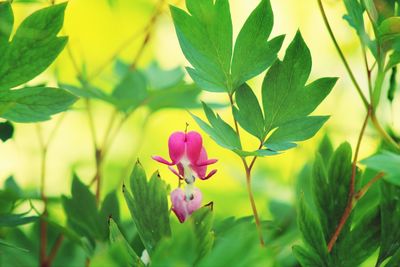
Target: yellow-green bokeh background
{"x": 96, "y": 31}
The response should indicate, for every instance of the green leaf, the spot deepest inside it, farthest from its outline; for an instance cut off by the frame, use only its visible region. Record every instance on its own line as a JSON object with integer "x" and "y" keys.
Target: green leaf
{"x": 148, "y": 206}
{"x": 296, "y": 130}
{"x": 325, "y": 149}
{"x": 202, "y": 220}
{"x": 249, "y": 114}
{"x": 131, "y": 91}
{"x": 390, "y": 223}
{"x": 387, "y": 162}
{"x": 258, "y": 153}
{"x": 311, "y": 231}
{"x": 34, "y": 104}
{"x": 82, "y": 213}
{"x": 34, "y": 47}
{"x": 6, "y": 24}
{"x": 109, "y": 208}
{"x": 395, "y": 260}
{"x": 394, "y": 59}
{"x": 6, "y": 244}
{"x": 12, "y": 220}
{"x": 253, "y": 54}
{"x": 88, "y": 92}
{"x": 159, "y": 78}
{"x": 117, "y": 237}
{"x": 307, "y": 258}
{"x": 221, "y": 132}
{"x": 6, "y": 130}
{"x": 390, "y": 28}
{"x": 205, "y": 37}
{"x": 284, "y": 94}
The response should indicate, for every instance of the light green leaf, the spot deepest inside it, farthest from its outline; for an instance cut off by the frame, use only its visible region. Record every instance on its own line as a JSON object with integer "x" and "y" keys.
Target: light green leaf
{"x": 6, "y": 25}
{"x": 33, "y": 48}
{"x": 387, "y": 162}
{"x": 33, "y": 104}
{"x": 148, "y": 206}
{"x": 159, "y": 78}
{"x": 253, "y": 54}
{"x": 202, "y": 221}
{"x": 390, "y": 28}
{"x": 116, "y": 237}
{"x": 394, "y": 59}
{"x": 6, "y": 244}
{"x": 205, "y": 37}
{"x": 258, "y": 153}
{"x": 249, "y": 114}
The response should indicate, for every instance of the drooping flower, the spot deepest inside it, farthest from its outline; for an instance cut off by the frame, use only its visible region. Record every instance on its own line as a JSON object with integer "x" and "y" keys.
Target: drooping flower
{"x": 188, "y": 154}
{"x": 185, "y": 203}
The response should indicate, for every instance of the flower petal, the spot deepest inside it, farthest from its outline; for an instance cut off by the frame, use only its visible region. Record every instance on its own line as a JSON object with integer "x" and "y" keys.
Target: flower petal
{"x": 176, "y": 146}
{"x": 162, "y": 160}
{"x": 194, "y": 203}
{"x": 175, "y": 172}
{"x": 179, "y": 204}
{"x": 211, "y": 173}
{"x": 194, "y": 146}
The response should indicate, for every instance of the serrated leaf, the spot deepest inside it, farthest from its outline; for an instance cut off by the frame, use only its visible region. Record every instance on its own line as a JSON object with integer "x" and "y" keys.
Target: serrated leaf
{"x": 390, "y": 223}
{"x": 249, "y": 114}
{"x": 295, "y": 131}
{"x": 148, "y": 206}
{"x": 109, "y": 208}
{"x": 253, "y": 54}
{"x": 34, "y": 104}
{"x": 116, "y": 237}
{"x": 387, "y": 162}
{"x": 208, "y": 23}
{"x": 6, "y": 130}
{"x": 34, "y": 41}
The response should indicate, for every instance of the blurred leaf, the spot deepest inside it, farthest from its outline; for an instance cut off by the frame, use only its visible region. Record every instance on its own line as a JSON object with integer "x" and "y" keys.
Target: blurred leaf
{"x": 395, "y": 260}
{"x": 221, "y": 132}
{"x": 34, "y": 46}
{"x": 117, "y": 237}
{"x": 82, "y": 213}
{"x": 207, "y": 23}
{"x": 392, "y": 85}
{"x": 159, "y": 78}
{"x": 372, "y": 12}
{"x": 34, "y": 104}
{"x": 11, "y": 220}
{"x": 394, "y": 59}
{"x": 387, "y": 162}
{"x": 202, "y": 221}
{"x": 390, "y": 223}
{"x": 6, "y": 130}
{"x": 148, "y": 206}
{"x": 295, "y": 131}
{"x": 249, "y": 114}
{"x": 390, "y": 28}
{"x": 131, "y": 91}
{"x": 325, "y": 149}
{"x": 87, "y": 91}
{"x": 6, "y": 24}
{"x": 6, "y": 244}
{"x": 355, "y": 18}
{"x": 253, "y": 54}
{"x": 109, "y": 208}
{"x": 258, "y": 153}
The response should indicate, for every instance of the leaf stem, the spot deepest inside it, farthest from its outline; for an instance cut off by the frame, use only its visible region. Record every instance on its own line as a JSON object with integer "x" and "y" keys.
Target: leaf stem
{"x": 342, "y": 57}
{"x": 248, "y": 180}
{"x": 350, "y": 200}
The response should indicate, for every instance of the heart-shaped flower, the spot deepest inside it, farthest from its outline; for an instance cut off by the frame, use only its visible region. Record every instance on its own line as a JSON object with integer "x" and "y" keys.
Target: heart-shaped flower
{"x": 185, "y": 203}
{"x": 190, "y": 157}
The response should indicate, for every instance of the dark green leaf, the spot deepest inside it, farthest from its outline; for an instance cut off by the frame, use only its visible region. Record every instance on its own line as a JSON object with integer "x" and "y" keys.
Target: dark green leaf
{"x": 390, "y": 28}
{"x": 6, "y": 244}
{"x": 109, "y": 208}
{"x": 395, "y": 260}
{"x": 394, "y": 59}
{"x": 35, "y": 41}
{"x": 249, "y": 114}
{"x": 6, "y": 130}
{"x": 6, "y": 25}
{"x": 307, "y": 258}
{"x": 253, "y": 54}
{"x": 297, "y": 130}
{"x": 149, "y": 207}
{"x": 35, "y": 103}
{"x": 390, "y": 223}
{"x": 387, "y": 162}
{"x": 202, "y": 220}
{"x": 11, "y": 220}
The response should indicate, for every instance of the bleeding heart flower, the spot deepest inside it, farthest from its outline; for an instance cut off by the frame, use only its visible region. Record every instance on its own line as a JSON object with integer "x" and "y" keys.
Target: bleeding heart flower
{"x": 188, "y": 154}
{"x": 185, "y": 203}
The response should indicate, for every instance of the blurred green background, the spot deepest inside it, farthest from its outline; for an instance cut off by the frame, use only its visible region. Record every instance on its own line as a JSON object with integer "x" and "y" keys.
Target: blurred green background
{"x": 97, "y": 30}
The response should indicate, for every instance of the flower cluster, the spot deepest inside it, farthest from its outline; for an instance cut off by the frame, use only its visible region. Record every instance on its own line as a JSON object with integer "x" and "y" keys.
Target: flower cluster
{"x": 190, "y": 158}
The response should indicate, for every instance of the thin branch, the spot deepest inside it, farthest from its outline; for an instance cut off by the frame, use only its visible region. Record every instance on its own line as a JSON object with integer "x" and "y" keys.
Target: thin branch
{"x": 55, "y": 249}
{"x": 350, "y": 200}
{"x": 365, "y": 188}
{"x": 342, "y": 57}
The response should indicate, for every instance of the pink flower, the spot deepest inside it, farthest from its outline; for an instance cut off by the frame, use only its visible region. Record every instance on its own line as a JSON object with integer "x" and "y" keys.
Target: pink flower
{"x": 188, "y": 154}
{"x": 184, "y": 204}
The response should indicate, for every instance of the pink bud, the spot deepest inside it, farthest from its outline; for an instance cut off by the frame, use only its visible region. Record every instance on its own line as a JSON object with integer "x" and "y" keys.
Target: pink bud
{"x": 184, "y": 205}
